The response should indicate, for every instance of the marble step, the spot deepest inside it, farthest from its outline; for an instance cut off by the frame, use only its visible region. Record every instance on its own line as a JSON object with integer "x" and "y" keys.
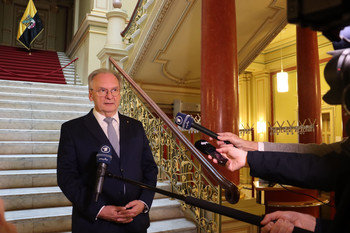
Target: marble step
{"x": 45, "y": 98}
{"x": 44, "y": 105}
{"x": 43, "y": 197}
{"x": 33, "y": 198}
{"x": 28, "y": 147}
{"x": 28, "y": 161}
{"x": 29, "y": 135}
{"x": 41, "y": 220}
{"x": 26, "y": 84}
{"x": 58, "y": 219}
{"x": 82, "y": 92}
{"x": 40, "y": 124}
{"x": 39, "y": 114}
{"x": 27, "y": 178}
{"x": 165, "y": 207}
{"x": 178, "y": 225}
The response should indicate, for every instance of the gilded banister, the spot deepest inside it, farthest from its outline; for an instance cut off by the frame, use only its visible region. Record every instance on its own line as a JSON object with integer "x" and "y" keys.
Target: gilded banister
{"x": 231, "y": 191}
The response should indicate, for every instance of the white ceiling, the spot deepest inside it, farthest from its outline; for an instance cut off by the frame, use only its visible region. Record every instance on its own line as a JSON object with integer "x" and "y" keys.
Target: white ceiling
{"x": 169, "y": 53}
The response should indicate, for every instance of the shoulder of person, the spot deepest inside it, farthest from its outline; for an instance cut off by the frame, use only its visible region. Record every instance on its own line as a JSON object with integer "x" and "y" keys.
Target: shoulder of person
{"x": 128, "y": 119}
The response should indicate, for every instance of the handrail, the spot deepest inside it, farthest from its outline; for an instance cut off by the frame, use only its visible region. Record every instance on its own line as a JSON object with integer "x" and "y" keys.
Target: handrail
{"x": 231, "y": 191}
{"x": 132, "y": 18}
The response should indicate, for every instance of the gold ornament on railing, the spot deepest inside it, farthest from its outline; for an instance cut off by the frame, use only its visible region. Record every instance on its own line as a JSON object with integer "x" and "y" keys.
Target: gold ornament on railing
{"x": 301, "y": 128}
{"x": 174, "y": 161}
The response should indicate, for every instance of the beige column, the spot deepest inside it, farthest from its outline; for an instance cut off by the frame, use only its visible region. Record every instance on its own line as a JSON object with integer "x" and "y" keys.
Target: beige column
{"x": 114, "y": 46}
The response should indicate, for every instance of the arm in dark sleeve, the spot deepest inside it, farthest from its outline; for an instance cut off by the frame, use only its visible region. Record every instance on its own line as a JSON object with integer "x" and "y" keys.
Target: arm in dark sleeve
{"x": 70, "y": 179}
{"x": 303, "y": 170}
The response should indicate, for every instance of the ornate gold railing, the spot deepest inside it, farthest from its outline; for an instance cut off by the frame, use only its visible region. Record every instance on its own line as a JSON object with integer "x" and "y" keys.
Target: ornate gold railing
{"x": 173, "y": 151}
{"x": 133, "y": 25}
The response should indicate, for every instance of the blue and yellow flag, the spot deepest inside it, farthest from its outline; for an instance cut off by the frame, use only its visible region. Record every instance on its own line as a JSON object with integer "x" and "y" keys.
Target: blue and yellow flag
{"x": 30, "y": 26}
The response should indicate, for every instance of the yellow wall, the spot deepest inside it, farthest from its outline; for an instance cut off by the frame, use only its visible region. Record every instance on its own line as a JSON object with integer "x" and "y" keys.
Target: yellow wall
{"x": 282, "y": 51}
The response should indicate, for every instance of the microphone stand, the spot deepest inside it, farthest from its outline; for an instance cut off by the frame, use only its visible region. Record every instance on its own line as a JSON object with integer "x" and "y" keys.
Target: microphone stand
{"x": 203, "y": 204}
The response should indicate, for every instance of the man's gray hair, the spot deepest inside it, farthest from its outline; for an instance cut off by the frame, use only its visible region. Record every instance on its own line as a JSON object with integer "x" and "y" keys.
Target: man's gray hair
{"x": 103, "y": 71}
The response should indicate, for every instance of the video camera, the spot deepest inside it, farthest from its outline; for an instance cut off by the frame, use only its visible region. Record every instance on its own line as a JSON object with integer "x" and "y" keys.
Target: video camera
{"x": 327, "y": 16}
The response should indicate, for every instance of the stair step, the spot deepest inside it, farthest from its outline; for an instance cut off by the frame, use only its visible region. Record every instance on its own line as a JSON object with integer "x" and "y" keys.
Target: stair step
{"x": 165, "y": 207}
{"x": 33, "y": 198}
{"x": 44, "y": 105}
{"x": 81, "y": 92}
{"x": 27, "y": 84}
{"x": 39, "y": 114}
{"x": 58, "y": 219}
{"x": 29, "y": 135}
{"x": 42, "y": 220}
{"x": 45, "y": 98}
{"x": 181, "y": 225}
{"x": 28, "y": 147}
{"x": 40, "y": 124}
{"x": 28, "y": 161}
{"x": 27, "y": 178}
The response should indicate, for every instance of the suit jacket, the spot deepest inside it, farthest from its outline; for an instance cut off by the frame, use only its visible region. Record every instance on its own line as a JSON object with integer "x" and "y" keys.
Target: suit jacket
{"x": 80, "y": 141}
{"x": 329, "y": 173}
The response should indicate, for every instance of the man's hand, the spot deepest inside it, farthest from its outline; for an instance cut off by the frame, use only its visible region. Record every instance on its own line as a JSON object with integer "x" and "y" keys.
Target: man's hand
{"x": 236, "y": 158}
{"x": 286, "y": 220}
{"x": 115, "y": 214}
{"x": 236, "y": 141}
{"x": 122, "y": 214}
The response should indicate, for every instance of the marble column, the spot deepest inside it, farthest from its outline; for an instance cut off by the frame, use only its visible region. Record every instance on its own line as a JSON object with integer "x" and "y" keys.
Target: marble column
{"x": 219, "y": 70}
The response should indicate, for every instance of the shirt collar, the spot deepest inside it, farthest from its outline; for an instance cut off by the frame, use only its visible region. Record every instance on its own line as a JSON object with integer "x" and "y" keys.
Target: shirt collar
{"x": 100, "y": 118}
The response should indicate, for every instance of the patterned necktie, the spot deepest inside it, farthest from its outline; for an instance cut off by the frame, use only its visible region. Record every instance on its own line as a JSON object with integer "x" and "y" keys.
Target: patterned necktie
{"x": 112, "y": 135}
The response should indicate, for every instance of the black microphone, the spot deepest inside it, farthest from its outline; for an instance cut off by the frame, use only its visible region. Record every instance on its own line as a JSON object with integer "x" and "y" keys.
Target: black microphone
{"x": 186, "y": 122}
{"x": 208, "y": 149}
{"x": 103, "y": 158}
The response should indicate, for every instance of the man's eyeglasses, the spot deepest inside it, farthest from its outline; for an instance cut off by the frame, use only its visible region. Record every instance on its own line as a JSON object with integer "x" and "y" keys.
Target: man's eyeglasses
{"x": 103, "y": 92}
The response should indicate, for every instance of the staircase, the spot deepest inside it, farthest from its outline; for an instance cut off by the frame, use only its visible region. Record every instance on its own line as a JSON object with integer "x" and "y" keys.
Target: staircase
{"x": 69, "y": 71}
{"x": 31, "y": 114}
{"x": 35, "y": 66}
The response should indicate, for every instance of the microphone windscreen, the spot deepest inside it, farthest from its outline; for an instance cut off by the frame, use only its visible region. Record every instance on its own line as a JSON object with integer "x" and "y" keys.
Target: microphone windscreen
{"x": 104, "y": 155}
{"x": 184, "y": 121}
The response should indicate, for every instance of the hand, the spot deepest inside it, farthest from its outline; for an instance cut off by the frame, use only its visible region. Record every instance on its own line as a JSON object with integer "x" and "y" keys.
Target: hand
{"x": 286, "y": 220}
{"x": 122, "y": 214}
{"x": 236, "y": 158}
{"x": 281, "y": 226}
{"x": 135, "y": 207}
{"x": 5, "y": 227}
{"x": 115, "y": 214}
{"x": 236, "y": 141}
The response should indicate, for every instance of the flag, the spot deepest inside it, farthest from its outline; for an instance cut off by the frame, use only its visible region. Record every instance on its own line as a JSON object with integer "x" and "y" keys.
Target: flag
{"x": 30, "y": 26}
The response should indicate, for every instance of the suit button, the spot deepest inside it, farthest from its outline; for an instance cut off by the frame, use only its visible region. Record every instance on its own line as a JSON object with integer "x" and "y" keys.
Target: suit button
{"x": 122, "y": 170}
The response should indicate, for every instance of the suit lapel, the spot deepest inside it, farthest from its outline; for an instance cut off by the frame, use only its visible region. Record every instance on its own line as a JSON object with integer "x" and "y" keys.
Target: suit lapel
{"x": 123, "y": 134}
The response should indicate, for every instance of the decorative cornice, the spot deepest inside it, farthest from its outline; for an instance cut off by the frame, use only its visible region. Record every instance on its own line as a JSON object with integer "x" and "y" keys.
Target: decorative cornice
{"x": 89, "y": 20}
{"x": 260, "y": 46}
{"x": 149, "y": 37}
{"x": 164, "y": 62}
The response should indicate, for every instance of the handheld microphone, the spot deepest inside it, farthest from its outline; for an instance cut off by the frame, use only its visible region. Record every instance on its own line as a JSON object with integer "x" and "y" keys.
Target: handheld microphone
{"x": 103, "y": 158}
{"x": 208, "y": 149}
{"x": 186, "y": 122}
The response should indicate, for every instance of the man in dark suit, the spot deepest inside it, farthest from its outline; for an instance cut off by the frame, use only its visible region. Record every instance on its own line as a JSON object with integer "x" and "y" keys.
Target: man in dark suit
{"x": 120, "y": 207}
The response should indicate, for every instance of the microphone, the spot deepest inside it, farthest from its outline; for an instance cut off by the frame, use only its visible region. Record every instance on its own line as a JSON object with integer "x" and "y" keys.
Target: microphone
{"x": 103, "y": 158}
{"x": 186, "y": 122}
{"x": 208, "y": 149}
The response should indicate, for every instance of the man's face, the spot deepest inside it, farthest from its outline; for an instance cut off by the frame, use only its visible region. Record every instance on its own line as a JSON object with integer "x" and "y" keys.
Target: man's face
{"x": 107, "y": 104}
